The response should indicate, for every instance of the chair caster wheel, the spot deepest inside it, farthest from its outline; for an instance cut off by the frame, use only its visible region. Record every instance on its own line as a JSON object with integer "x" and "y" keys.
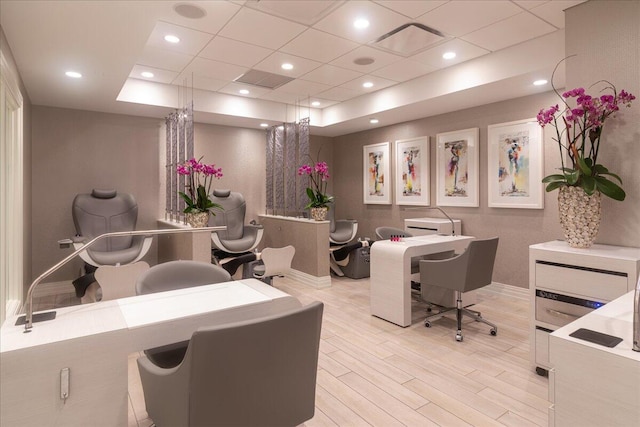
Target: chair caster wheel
{"x": 493, "y": 332}
{"x": 427, "y": 324}
{"x": 459, "y": 337}
{"x": 429, "y": 310}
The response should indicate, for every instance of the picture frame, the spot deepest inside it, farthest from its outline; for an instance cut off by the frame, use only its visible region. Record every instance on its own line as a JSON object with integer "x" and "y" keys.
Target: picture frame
{"x": 412, "y": 172}
{"x": 457, "y": 171}
{"x": 515, "y": 165}
{"x": 376, "y": 174}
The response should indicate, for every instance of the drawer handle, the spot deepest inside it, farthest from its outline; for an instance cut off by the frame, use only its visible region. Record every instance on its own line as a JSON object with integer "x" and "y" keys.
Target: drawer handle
{"x": 561, "y": 314}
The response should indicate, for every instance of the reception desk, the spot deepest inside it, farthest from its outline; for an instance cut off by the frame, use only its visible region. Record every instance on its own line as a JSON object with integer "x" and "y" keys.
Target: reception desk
{"x": 94, "y": 340}
{"x": 391, "y": 272}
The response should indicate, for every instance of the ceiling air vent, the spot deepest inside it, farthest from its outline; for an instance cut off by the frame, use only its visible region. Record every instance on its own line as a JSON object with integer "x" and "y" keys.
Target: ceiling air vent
{"x": 263, "y": 79}
{"x": 409, "y": 39}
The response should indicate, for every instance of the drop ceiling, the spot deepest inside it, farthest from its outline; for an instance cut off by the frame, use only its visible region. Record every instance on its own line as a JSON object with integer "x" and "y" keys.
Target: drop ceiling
{"x": 501, "y": 46}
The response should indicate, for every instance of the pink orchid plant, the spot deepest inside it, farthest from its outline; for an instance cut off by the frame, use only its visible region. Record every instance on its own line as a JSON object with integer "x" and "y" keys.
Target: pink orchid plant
{"x": 319, "y": 175}
{"x": 578, "y": 132}
{"x": 199, "y": 179}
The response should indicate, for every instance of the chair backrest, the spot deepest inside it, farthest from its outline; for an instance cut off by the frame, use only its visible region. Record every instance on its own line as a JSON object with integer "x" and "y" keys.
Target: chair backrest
{"x": 105, "y": 211}
{"x": 481, "y": 256}
{"x": 256, "y": 372}
{"x": 385, "y": 233}
{"x": 277, "y": 261}
{"x": 232, "y": 215}
{"x": 179, "y": 275}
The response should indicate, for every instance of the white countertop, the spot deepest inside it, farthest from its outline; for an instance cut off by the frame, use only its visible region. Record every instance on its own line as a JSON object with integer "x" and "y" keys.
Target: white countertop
{"x": 614, "y": 318}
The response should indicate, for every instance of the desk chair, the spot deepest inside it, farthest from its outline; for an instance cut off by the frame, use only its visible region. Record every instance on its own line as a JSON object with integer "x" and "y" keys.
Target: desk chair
{"x": 470, "y": 270}
{"x": 105, "y": 211}
{"x": 385, "y": 233}
{"x": 238, "y": 238}
{"x": 276, "y": 262}
{"x": 170, "y": 276}
{"x": 259, "y": 372}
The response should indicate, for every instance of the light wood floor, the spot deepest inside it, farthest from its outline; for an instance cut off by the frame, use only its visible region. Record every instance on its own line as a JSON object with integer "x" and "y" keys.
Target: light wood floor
{"x": 372, "y": 372}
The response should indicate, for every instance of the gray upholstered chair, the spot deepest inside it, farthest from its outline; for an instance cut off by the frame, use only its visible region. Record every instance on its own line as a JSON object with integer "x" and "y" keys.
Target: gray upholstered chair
{"x": 238, "y": 237}
{"x": 97, "y": 213}
{"x": 259, "y": 372}
{"x": 275, "y": 262}
{"x": 341, "y": 231}
{"x": 173, "y": 275}
{"x": 473, "y": 269}
{"x": 385, "y": 233}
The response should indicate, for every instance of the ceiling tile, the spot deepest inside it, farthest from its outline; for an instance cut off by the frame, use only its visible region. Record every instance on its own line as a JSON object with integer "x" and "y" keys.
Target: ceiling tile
{"x": 339, "y": 94}
{"x": 529, "y": 4}
{"x": 159, "y": 75}
{"x": 378, "y": 83}
{"x": 258, "y": 28}
{"x": 331, "y": 75}
{"x": 340, "y": 21}
{"x": 165, "y": 59}
{"x": 214, "y": 69}
{"x": 303, "y": 87}
{"x": 464, "y": 52}
{"x": 287, "y": 98}
{"x": 234, "y": 52}
{"x": 217, "y": 15}
{"x": 191, "y": 41}
{"x": 324, "y": 103}
{"x": 403, "y": 70}
{"x": 199, "y": 82}
{"x": 511, "y": 31}
{"x": 306, "y": 12}
{"x": 382, "y": 59}
{"x": 458, "y": 18}
{"x": 254, "y": 91}
{"x": 553, "y": 11}
{"x": 274, "y": 62}
{"x": 411, "y": 8}
{"x": 318, "y": 45}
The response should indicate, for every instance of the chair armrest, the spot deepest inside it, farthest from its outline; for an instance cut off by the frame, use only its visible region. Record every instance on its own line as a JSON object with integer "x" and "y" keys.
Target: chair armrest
{"x": 254, "y": 224}
{"x": 78, "y": 239}
{"x": 65, "y": 243}
{"x": 346, "y": 221}
{"x": 444, "y": 273}
{"x": 165, "y": 385}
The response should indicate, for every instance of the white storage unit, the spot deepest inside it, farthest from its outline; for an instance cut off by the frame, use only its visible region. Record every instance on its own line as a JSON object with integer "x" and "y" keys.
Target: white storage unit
{"x": 567, "y": 283}
{"x": 423, "y": 226}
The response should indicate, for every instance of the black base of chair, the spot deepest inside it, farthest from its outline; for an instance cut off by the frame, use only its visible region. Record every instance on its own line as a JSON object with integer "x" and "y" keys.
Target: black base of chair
{"x": 460, "y": 312}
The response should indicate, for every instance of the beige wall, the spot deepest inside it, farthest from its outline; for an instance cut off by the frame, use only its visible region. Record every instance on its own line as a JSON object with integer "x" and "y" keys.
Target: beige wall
{"x": 26, "y": 163}
{"x": 75, "y": 151}
{"x": 610, "y": 50}
{"x": 517, "y": 228}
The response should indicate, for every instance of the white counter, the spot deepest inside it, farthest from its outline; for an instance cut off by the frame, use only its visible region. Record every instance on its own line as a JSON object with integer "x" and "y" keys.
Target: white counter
{"x": 594, "y": 385}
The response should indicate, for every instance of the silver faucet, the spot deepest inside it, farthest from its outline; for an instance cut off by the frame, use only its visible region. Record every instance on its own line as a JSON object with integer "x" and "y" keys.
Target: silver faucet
{"x": 636, "y": 318}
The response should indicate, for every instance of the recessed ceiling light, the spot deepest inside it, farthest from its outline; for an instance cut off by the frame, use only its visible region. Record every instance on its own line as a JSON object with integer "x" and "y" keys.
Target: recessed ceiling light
{"x": 146, "y": 74}
{"x": 449, "y": 55}
{"x": 171, "y": 38}
{"x": 190, "y": 11}
{"x": 367, "y": 84}
{"x": 244, "y": 91}
{"x": 264, "y": 125}
{"x": 365, "y": 60}
{"x": 73, "y": 74}
{"x": 361, "y": 23}
{"x": 373, "y": 121}
{"x": 315, "y": 104}
{"x": 540, "y": 82}
{"x": 287, "y": 66}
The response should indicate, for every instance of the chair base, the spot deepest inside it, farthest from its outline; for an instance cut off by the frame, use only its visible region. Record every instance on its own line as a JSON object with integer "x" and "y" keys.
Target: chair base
{"x": 460, "y": 312}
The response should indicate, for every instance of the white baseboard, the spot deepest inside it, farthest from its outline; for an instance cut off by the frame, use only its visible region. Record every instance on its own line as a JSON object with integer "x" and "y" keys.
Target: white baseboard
{"x": 504, "y": 289}
{"x": 307, "y": 279}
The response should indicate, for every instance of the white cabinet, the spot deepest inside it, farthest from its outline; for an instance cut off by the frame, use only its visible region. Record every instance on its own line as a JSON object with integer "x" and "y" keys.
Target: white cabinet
{"x": 423, "y": 226}
{"x": 566, "y": 283}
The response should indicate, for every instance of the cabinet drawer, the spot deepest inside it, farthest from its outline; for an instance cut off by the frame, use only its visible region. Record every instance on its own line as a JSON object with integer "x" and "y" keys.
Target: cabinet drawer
{"x": 596, "y": 284}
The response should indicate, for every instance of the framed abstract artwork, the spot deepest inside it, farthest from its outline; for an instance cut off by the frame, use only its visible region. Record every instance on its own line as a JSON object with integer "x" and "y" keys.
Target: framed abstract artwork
{"x": 457, "y": 174}
{"x": 412, "y": 171}
{"x": 515, "y": 165}
{"x": 377, "y": 163}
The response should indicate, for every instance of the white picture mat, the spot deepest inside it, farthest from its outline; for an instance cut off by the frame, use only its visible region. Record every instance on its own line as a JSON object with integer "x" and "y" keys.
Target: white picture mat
{"x": 463, "y": 190}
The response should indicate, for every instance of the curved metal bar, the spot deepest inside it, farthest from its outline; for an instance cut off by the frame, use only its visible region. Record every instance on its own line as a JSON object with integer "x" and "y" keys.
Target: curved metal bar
{"x": 29, "y": 312}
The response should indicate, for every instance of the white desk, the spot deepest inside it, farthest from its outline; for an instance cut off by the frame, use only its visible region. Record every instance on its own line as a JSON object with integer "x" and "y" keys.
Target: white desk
{"x": 94, "y": 341}
{"x": 391, "y": 272}
{"x": 593, "y": 385}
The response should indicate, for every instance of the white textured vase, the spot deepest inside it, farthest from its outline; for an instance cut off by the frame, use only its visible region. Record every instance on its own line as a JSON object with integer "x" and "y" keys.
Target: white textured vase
{"x": 580, "y": 216}
{"x": 197, "y": 219}
{"x": 319, "y": 214}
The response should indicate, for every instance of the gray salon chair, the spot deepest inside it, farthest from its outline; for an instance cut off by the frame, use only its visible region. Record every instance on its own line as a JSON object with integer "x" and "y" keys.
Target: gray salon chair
{"x": 385, "y": 233}
{"x": 473, "y": 269}
{"x": 275, "y": 262}
{"x": 341, "y": 231}
{"x": 170, "y": 276}
{"x": 100, "y": 212}
{"x": 238, "y": 237}
{"x": 259, "y": 372}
